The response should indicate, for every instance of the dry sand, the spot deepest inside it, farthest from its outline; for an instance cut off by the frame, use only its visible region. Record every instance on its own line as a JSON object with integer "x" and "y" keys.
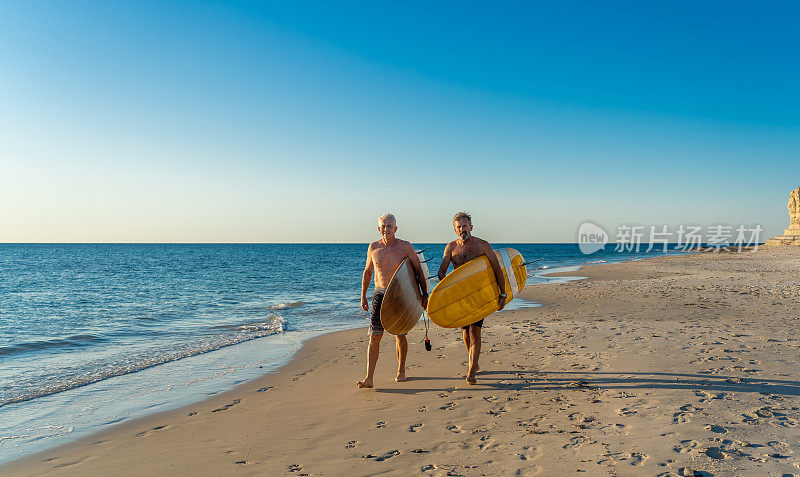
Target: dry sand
{"x": 646, "y": 368}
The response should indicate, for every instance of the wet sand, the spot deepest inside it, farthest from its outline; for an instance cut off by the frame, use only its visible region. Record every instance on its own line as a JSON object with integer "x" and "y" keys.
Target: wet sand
{"x": 645, "y": 368}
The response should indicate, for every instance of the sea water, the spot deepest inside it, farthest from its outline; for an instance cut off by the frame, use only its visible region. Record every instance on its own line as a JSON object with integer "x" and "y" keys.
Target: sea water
{"x": 95, "y": 334}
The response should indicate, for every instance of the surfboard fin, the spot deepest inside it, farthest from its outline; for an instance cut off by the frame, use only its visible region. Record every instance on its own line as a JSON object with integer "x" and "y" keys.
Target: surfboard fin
{"x": 528, "y": 262}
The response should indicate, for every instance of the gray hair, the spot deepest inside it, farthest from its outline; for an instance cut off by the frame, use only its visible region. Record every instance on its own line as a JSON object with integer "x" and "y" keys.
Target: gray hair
{"x": 387, "y": 216}
{"x": 462, "y": 215}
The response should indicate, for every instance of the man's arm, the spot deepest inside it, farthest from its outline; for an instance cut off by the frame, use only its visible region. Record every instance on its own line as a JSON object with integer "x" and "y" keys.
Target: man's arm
{"x": 448, "y": 251}
{"x": 366, "y": 278}
{"x": 421, "y": 279}
{"x": 498, "y": 274}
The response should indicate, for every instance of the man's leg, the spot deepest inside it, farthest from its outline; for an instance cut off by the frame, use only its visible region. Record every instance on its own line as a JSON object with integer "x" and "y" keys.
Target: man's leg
{"x": 468, "y": 344}
{"x": 466, "y": 338}
{"x": 372, "y": 359}
{"x": 474, "y": 352}
{"x": 401, "y": 345}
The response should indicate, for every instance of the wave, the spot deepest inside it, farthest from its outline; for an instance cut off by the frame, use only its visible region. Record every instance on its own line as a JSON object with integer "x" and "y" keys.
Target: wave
{"x": 286, "y": 306}
{"x": 74, "y": 341}
{"x": 275, "y": 323}
{"x": 45, "y": 385}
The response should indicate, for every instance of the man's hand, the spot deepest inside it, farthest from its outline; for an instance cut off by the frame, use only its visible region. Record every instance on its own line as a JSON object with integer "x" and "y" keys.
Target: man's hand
{"x": 501, "y": 303}
{"x": 425, "y": 302}
{"x": 364, "y": 304}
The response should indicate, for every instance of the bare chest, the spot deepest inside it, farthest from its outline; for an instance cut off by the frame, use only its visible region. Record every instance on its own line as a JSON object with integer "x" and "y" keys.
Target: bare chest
{"x": 387, "y": 259}
{"x": 464, "y": 253}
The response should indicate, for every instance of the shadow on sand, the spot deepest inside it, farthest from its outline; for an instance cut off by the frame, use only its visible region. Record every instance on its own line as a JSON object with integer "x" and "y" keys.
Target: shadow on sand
{"x": 564, "y": 380}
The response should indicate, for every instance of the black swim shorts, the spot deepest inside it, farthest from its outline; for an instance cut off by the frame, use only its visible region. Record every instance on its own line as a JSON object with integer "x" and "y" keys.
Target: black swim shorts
{"x": 375, "y": 326}
{"x": 479, "y": 324}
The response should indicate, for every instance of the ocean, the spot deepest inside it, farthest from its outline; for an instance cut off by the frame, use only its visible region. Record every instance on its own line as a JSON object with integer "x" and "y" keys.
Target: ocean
{"x": 95, "y": 334}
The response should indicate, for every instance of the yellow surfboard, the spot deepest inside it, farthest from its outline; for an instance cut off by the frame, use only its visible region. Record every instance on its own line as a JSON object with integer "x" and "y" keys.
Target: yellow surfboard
{"x": 470, "y": 292}
{"x": 402, "y": 304}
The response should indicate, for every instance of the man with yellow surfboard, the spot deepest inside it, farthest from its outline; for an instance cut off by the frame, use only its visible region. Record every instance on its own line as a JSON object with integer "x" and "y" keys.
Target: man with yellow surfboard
{"x": 460, "y": 251}
{"x": 384, "y": 257}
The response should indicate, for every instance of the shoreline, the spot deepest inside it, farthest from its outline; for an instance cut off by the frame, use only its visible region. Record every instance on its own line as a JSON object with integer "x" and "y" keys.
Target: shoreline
{"x": 539, "y": 366}
{"x": 259, "y": 382}
{"x": 218, "y": 399}
{"x": 178, "y": 395}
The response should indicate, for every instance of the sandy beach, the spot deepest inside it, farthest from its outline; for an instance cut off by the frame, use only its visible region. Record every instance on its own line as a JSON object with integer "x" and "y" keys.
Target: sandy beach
{"x": 668, "y": 366}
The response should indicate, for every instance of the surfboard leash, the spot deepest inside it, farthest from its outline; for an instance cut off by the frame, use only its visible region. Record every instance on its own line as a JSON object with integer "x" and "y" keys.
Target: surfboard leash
{"x": 427, "y": 340}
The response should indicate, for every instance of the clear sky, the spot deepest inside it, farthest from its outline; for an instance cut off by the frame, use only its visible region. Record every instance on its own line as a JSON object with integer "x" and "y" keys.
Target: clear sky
{"x": 297, "y": 121}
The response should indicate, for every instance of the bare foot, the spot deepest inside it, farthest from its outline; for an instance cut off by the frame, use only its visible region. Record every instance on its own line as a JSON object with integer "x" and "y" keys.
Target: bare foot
{"x": 364, "y": 384}
{"x": 401, "y": 377}
{"x": 471, "y": 379}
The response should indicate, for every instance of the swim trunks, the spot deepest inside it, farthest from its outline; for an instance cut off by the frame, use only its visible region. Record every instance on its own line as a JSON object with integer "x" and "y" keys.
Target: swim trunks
{"x": 375, "y": 325}
{"x": 479, "y": 324}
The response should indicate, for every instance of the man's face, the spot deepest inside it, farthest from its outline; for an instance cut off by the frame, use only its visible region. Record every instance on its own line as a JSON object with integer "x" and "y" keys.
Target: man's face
{"x": 387, "y": 228}
{"x": 463, "y": 228}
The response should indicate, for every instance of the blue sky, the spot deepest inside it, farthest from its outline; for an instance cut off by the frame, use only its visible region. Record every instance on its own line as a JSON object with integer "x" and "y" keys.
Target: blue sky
{"x": 304, "y": 121}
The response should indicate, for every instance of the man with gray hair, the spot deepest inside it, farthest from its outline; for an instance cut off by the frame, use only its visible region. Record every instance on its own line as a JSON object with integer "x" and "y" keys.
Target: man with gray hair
{"x": 383, "y": 258}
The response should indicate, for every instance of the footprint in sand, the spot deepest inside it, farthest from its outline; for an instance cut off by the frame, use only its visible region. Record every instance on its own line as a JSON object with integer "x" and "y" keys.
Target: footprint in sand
{"x": 380, "y": 425}
{"x": 781, "y": 447}
{"x": 228, "y": 406}
{"x": 150, "y": 431}
{"x": 632, "y": 458}
{"x": 294, "y": 468}
{"x": 686, "y": 446}
{"x": 422, "y": 409}
{"x": 786, "y": 422}
{"x": 428, "y": 468}
{"x": 298, "y": 376}
{"x": 351, "y": 444}
{"x": 637, "y": 458}
{"x": 764, "y": 412}
{"x": 715, "y": 453}
{"x": 576, "y": 442}
{"x": 715, "y": 428}
{"x": 454, "y": 429}
{"x": 625, "y": 412}
{"x": 415, "y": 427}
{"x": 487, "y": 444}
{"x": 615, "y": 429}
{"x": 706, "y": 396}
{"x": 448, "y": 406}
{"x": 685, "y": 414}
{"x": 387, "y": 455}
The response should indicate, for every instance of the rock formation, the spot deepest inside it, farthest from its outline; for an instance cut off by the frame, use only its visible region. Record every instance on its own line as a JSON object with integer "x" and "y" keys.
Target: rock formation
{"x": 791, "y": 236}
